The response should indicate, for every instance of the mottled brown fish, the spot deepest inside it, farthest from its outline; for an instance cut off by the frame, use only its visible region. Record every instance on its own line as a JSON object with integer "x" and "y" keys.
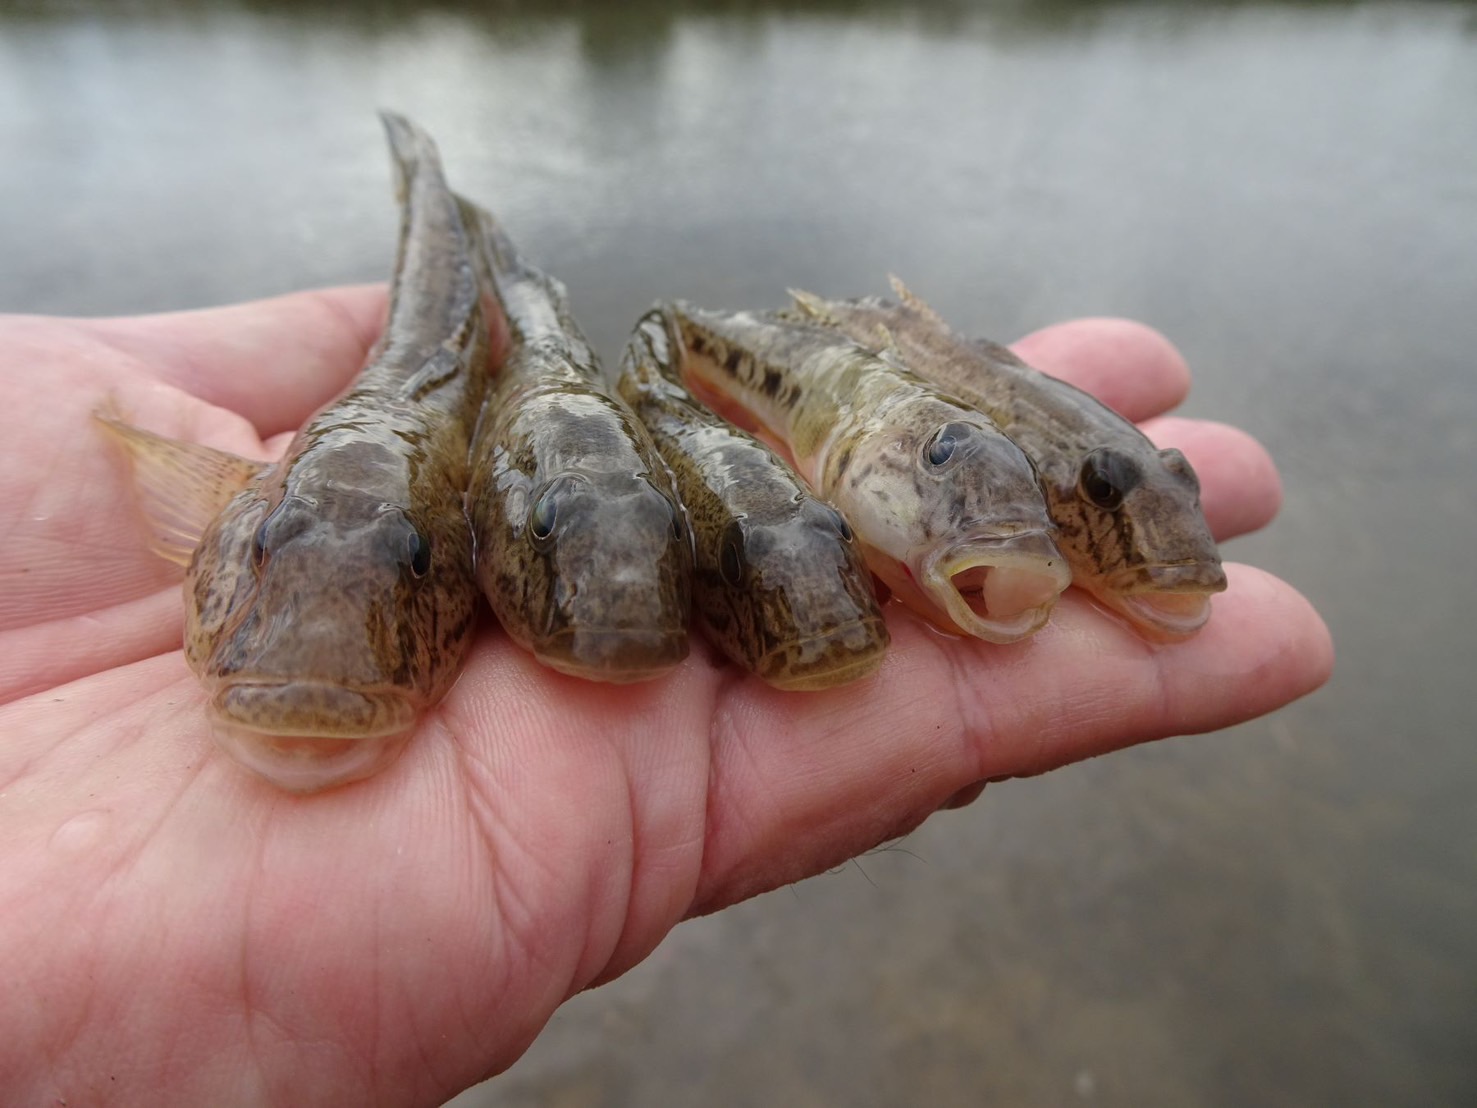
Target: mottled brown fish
{"x": 582, "y": 547}
{"x": 329, "y": 596}
{"x": 947, "y": 510}
{"x": 779, "y": 583}
{"x": 1128, "y": 515}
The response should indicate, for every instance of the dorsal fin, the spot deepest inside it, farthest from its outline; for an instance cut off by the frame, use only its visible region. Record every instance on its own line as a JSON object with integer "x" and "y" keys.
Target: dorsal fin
{"x": 813, "y": 307}
{"x": 180, "y": 486}
{"x": 912, "y": 300}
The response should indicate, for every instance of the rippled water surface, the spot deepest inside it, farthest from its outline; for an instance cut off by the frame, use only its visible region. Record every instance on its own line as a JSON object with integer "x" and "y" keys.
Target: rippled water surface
{"x": 1285, "y": 913}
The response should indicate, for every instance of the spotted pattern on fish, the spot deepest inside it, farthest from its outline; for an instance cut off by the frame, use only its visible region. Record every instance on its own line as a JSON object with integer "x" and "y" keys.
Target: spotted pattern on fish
{"x": 1156, "y": 541}
{"x": 865, "y": 433}
{"x": 582, "y": 548}
{"x": 779, "y": 583}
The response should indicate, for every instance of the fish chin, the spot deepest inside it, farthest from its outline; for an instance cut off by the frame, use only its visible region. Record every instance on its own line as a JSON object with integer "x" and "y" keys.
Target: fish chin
{"x": 999, "y": 590}
{"x": 1166, "y": 616}
{"x": 308, "y": 763}
{"x": 305, "y": 737}
{"x": 848, "y": 653}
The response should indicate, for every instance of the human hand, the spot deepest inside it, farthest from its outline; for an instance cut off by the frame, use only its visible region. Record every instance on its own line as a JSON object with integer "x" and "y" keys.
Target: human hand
{"x": 175, "y": 930}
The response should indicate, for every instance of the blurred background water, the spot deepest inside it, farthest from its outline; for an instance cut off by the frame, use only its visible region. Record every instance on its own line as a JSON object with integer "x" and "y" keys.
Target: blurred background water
{"x": 1280, "y": 914}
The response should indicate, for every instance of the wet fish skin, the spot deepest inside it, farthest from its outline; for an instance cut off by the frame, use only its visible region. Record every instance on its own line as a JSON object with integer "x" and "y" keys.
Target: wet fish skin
{"x": 948, "y": 511}
{"x": 330, "y": 600}
{"x": 1128, "y": 515}
{"x": 779, "y": 583}
{"x": 582, "y": 547}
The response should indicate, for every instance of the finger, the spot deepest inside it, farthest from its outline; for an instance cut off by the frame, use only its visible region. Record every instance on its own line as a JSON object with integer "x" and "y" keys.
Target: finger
{"x": 800, "y": 784}
{"x": 273, "y": 361}
{"x": 1239, "y": 487}
{"x": 1130, "y": 367}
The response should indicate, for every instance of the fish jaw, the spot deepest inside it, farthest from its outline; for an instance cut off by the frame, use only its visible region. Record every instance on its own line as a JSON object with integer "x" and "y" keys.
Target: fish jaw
{"x": 844, "y": 654}
{"x": 308, "y": 736}
{"x": 997, "y": 588}
{"x": 1166, "y": 603}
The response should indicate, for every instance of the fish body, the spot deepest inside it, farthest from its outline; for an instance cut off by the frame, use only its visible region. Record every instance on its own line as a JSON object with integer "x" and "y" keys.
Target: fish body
{"x": 329, "y": 596}
{"x": 582, "y": 547}
{"x": 779, "y": 584}
{"x": 1128, "y": 515}
{"x": 947, "y": 510}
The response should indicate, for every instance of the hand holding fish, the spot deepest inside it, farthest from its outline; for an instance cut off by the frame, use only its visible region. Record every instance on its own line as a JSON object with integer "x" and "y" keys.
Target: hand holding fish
{"x": 178, "y": 931}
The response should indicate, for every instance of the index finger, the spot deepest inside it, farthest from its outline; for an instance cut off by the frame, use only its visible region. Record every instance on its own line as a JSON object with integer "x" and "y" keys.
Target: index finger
{"x": 273, "y": 361}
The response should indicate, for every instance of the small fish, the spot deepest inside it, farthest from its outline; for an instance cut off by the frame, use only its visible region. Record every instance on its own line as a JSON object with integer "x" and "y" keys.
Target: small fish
{"x": 329, "y": 596}
{"x": 582, "y": 547}
{"x": 947, "y": 510}
{"x": 1128, "y": 515}
{"x": 779, "y": 584}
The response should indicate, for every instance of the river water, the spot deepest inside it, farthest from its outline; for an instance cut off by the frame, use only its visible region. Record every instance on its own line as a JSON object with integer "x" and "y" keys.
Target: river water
{"x": 1280, "y": 914}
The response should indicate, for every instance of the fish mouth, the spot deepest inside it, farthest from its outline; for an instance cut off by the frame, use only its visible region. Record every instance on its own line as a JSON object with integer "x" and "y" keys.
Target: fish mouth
{"x": 999, "y": 588}
{"x": 1164, "y": 615}
{"x": 1166, "y": 602}
{"x": 305, "y": 736}
{"x": 617, "y": 655}
{"x": 844, "y": 654}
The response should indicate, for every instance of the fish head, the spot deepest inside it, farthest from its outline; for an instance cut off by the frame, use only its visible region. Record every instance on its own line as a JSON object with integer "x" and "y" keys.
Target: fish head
{"x": 322, "y": 628}
{"x": 605, "y": 565}
{"x": 790, "y": 595}
{"x": 1154, "y": 559}
{"x": 954, "y": 519}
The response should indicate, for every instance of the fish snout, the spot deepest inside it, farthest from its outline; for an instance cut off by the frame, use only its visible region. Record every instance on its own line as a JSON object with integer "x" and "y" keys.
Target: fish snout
{"x": 842, "y": 654}
{"x": 307, "y": 736}
{"x": 624, "y": 599}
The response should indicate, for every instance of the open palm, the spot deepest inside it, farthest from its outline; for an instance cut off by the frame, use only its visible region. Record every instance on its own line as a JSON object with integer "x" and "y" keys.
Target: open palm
{"x": 175, "y": 930}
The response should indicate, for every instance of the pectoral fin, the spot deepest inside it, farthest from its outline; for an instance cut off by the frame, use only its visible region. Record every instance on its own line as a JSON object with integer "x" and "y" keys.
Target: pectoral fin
{"x": 180, "y": 486}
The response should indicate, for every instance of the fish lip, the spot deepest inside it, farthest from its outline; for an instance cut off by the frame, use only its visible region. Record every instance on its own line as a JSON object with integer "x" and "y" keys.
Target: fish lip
{"x": 1159, "y": 600}
{"x": 1158, "y": 622}
{"x": 1187, "y": 576}
{"x": 1029, "y": 549}
{"x": 308, "y": 763}
{"x": 312, "y": 709}
{"x": 829, "y": 670}
{"x": 592, "y": 650}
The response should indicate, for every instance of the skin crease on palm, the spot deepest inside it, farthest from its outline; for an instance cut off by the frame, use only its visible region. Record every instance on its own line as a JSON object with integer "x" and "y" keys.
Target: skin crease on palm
{"x": 177, "y": 931}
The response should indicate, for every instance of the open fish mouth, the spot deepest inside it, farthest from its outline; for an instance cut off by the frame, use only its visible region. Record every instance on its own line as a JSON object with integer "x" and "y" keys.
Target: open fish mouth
{"x": 1000, "y": 589}
{"x": 306, "y": 736}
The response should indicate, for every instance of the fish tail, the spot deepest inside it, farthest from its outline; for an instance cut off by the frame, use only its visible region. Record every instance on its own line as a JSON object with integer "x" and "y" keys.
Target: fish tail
{"x": 410, "y": 148}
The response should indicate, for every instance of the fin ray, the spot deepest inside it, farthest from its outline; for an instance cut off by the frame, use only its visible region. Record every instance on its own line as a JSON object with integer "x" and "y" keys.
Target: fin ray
{"x": 180, "y": 486}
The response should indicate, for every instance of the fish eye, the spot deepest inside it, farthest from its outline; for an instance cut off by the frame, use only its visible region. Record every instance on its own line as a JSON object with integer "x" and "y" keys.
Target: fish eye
{"x": 1106, "y": 478}
{"x": 418, "y": 554}
{"x": 730, "y": 557}
{"x": 940, "y": 448}
{"x": 544, "y": 514}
